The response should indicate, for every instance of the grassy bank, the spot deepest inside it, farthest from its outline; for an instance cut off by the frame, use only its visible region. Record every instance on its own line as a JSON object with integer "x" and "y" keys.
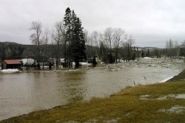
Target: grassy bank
{"x": 179, "y": 77}
{"x": 155, "y": 103}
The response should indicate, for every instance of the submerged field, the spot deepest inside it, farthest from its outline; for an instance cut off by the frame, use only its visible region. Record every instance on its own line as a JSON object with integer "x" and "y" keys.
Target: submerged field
{"x": 156, "y": 103}
{"x": 30, "y": 91}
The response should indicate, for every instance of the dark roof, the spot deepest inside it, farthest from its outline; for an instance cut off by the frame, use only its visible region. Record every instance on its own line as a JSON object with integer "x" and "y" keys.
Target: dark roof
{"x": 12, "y": 61}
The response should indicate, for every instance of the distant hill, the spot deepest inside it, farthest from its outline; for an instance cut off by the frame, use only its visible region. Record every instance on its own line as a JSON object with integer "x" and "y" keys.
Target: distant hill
{"x": 12, "y": 50}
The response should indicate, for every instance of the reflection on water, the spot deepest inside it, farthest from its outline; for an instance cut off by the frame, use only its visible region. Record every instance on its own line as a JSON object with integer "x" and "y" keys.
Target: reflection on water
{"x": 74, "y": 86}
{"x": 26, "y": 92}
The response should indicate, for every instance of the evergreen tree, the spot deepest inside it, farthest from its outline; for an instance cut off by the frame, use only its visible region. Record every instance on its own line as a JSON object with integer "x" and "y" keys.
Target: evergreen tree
{"x": 67, "y": 38}
{"x": 75, "y": 37}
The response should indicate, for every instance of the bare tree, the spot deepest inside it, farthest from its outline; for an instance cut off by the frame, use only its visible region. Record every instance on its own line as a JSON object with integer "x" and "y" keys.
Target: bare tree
{"x": 107, "y": 45}
{"x": 88, "y": 43}
{"x": 36, "y": 27}
{"x": 94, "y": 42}
{"x": 58, "y": 37}
{"x": 45, "y": 52}
{"x": 108, "y": 37}
{"x": 182, "y": 49}
{"x": 177, "y": 49}
{"x": 183, "y": 44}
{"x": 172, "y": 48}
{"x": 101, "y": 45}
{"x": 117, "y": 40}
{"x": 45, "y": 38}
{"x": 169, "y": 48}
{"x": 114, "y": 38}
{"x": 129, "y": 41}
{"x": 108, "y": 40}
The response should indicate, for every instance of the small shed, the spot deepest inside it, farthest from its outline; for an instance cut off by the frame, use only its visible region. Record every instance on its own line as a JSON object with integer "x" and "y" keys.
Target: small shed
{"x": 11, "y": 64}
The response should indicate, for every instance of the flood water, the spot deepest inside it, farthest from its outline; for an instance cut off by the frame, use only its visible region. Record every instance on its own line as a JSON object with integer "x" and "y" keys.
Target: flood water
{"x": 31, "y": 91}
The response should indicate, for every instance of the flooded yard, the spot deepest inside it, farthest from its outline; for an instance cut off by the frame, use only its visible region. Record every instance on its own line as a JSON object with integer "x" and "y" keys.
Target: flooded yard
{"x": 30, "y": 91}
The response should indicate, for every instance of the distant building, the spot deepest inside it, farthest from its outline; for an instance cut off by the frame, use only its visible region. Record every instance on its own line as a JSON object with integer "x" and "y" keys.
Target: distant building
{"x": 11, "y": 64}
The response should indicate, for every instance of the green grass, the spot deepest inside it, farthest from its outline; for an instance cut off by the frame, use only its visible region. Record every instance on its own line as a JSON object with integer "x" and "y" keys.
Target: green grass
{"x": 124, "y": 107}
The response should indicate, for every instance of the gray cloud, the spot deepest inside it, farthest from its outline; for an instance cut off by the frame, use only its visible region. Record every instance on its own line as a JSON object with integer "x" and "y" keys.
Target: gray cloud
{"x": 151, "y": 23}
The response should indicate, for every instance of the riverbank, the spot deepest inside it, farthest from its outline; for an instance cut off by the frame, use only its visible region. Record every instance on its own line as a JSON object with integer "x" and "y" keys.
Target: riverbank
{"x": 161, "y": 102}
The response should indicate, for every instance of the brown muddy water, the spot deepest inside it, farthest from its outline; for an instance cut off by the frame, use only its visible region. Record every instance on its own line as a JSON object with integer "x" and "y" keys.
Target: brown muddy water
{"x": 31, "y": 91}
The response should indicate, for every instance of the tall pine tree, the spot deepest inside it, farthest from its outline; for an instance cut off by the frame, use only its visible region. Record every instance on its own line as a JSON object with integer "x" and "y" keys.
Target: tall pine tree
{"x": 67, "y": 25}
{"x": 74, "y": 37}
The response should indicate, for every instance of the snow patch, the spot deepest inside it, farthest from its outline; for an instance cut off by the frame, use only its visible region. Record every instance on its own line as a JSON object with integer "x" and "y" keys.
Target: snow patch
{"x": 172, "y": 96}
{"x": 144, "y": 97}
{"x": 175, "y": 109}
{"x": 10, "y": 71}
{"x": 165, "y": 80}
{"x": 164, "y": 97}
{"x": 147, "y": 58}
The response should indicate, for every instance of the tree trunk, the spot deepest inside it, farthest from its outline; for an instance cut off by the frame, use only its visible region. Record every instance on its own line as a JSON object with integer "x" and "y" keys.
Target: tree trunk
{"x": 77, "y": 64}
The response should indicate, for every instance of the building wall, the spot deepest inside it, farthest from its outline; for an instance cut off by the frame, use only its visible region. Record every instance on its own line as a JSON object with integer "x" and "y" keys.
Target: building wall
{"x": 10, "y": 66}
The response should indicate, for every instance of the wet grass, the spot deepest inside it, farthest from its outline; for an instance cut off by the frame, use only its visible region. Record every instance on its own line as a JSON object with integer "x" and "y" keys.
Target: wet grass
{"x": 123, "y": 107}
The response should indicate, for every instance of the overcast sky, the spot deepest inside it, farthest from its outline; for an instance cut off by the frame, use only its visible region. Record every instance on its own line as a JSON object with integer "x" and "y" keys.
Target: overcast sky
{"x": 150, "y": 22}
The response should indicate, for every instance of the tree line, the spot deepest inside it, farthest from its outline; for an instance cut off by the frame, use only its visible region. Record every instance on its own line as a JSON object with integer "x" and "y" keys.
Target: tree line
{"x": 75, "y": 44}
{"x": 67, "y": 35}
{"x": 69, "y": 40}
